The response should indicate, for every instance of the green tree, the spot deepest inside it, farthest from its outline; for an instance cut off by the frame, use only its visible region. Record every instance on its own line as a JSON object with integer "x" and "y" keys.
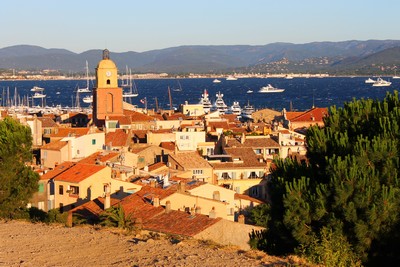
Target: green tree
{"x": 116, "y": 217}
{"x": 17, "y": 181}
{"x": 350, "y": 185}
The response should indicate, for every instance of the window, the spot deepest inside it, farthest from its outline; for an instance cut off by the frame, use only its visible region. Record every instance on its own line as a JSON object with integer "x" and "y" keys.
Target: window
{"x": 74, "y": 190}
{"x": 61, "y": 190}
{"x": 198, "y": 172}
{"x": 258, "y": 151}
{"x": 210, "y": 151}
{"x": 93, "y": 141}
{"x": 41, "y": 205}
{"x": 41, "y": 188}
{"x": 47, "y": 131}
{"x": 225, "y": 175}
{"x": 253, "y": 175}
{"x": 108, "y": 81}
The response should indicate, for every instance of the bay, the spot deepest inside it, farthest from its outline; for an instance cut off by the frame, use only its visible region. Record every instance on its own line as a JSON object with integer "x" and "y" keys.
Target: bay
{"x": 300, "y": 93}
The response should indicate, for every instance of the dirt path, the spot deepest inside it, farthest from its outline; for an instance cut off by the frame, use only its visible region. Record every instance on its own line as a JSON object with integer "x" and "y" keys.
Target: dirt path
{"x": 26, "y": 244}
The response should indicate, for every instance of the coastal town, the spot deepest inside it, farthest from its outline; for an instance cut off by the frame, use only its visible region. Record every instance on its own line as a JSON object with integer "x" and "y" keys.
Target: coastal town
{"x": 194, "y": 172}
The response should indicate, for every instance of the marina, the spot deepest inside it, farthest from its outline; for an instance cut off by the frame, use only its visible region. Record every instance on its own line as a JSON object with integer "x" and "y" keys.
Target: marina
{"x": 300, "y": 93}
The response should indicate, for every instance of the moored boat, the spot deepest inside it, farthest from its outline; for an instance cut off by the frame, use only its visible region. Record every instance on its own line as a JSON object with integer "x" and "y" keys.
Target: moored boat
{"x": 220, "y": 103}
{"x": 247, "y": 111}
{"x": 205, "y": 101}
{"x": 216, "y": 81}
{"x": 381, "y": 82}
{"x": 235, "y": 108}
{"x": 369, "y": 80}
{"x": 270, "y": 89}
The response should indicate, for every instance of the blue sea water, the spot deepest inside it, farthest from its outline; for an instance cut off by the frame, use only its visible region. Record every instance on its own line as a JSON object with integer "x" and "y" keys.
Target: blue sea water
{"x": 300, "y": 93}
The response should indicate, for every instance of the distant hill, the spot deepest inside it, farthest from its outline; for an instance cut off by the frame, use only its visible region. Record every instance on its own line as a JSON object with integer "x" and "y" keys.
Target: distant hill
{"x": 335, "y": 57}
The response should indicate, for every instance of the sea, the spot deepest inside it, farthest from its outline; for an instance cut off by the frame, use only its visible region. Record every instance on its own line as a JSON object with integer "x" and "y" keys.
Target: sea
{"x": 300, "y": 93}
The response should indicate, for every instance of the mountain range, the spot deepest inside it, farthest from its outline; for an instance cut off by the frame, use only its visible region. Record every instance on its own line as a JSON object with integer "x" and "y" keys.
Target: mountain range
{"x": 331, "y": 57}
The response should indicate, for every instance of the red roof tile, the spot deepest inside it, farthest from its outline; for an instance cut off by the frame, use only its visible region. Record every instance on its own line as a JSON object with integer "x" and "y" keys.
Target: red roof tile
{"x": 137, "y": 116}
{"x": 57, "y": 170}
{"x": 103, "y": 156}
{"x": 78, "y": 173}
{"x": 117, "y": 138}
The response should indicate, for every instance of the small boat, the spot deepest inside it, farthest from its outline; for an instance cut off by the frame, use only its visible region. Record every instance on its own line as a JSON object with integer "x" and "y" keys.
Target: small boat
{"x": 39, "y": 95}
{"x": 205, "y": 101}
{"x": 288, "y": 77}
{"x": 220, "y": 103}
{"x": 133, "y": 91}
{"x": 216, "y": 81}
{"x": 369, "y": 80}
{"x": 231, "y": 78}
{"x": 395, "y": 76}
{"x": 270, "y": 89}
{"x": 58, "y": 93}
{"x": 177, "y": 89}
{"x": 381, "y": 82}
{"x": 249, "y": 91}
{"x": 88, "y": 99}
{"x": 37, "y": 89}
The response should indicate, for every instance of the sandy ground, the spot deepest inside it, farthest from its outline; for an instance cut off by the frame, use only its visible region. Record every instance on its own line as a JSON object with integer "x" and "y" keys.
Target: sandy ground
{"x": 26, "y": 244}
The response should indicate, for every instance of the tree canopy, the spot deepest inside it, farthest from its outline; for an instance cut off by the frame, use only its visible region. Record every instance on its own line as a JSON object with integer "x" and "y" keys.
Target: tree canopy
{"x": 17, "y": 181}
{"x": 347, "y": 194}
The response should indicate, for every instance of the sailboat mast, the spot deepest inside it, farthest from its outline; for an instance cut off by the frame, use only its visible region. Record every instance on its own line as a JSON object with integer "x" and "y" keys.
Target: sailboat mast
{"x": 155, "y": 99}
{"x": 170, "y": 98}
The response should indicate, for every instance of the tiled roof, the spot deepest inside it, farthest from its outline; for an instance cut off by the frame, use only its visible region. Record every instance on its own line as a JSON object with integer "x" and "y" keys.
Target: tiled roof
{"x": 179, "y": 223}
{"x": 117, "y": 138}
{"x": 158, "y": 165}
{"x": 137, "y": 148}
{"x": 168, "y": 145}
{"x": 218, "y": 124}
{"x": 140, "y": 133}
{"x": 122, "y": 120}
{"x": 47, "y": 122}
{"x": 65, "y": 132}
{"x": 175, "y": 116}
{"x": 78, "y": 173}
{"x": 139, "y": 207}
{"x": 56, "y": 145}
{"x": 247, "y": 159}
{"x": 137, "y": 116}
{"x": 102, "y": 156}
{"x": 230, "y": 117}
{"x": 190, "y": 160}
{"x": 314, "y": 114}
{"x": 253, "y": 142}
{"x": 57, "y": 170}
{"x": 93, "y": 208}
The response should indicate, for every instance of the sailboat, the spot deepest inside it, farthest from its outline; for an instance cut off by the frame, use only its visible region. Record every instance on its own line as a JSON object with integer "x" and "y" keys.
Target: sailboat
{"x": 125, "y": 82}
{"x": 85, "y": 89}
{"x": 133, "y": 92}
{"x": 177, "y": 89}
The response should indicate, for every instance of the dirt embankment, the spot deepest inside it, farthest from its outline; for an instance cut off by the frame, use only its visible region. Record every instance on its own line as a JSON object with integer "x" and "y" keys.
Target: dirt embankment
{"x": 26, "y": 244}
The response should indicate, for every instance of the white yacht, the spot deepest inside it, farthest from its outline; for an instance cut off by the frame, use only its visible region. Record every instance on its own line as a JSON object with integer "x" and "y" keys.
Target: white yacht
{"x": 231, "y": 78}
{"x": 247, "y": 110}
{"x": 381, "y": 82}
{"x": 270, "y": 89}
{"x": 369, "y": 80}
{"x": 216, "y": 81}
{"x": 88, "y": 99}
{"x": 205, "y": 101}
{"x": 235, "y": 108}
{"x": 249, "y": 91}
{"x": 37, "y": 89}
{"x": 220, "y": 103}
{"x": 39, "y": 95}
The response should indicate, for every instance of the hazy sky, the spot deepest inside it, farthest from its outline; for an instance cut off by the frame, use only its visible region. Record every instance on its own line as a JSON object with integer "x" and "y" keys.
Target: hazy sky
{"x": 131, "y": 25}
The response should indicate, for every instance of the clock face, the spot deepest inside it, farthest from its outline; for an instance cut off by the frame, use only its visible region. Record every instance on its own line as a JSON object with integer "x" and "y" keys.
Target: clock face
{"x": 108, "y": 73}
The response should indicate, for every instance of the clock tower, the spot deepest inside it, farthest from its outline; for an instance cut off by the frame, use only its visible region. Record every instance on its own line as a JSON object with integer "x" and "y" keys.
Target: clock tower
{"x": 107, "y": 97}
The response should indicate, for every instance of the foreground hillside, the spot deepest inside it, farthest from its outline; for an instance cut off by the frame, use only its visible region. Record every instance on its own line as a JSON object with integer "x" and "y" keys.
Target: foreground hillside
{"x": 26, "y": 244}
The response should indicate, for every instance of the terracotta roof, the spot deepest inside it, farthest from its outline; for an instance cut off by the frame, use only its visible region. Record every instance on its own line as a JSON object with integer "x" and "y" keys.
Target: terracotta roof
{"x": 258, "y": 142}
{"x": 314, "y": 114}
{"x": 102, "y": 156}
{"x": 78, "y": 173}
{"x": 137, "y": 116}
{"x": 218, "y": 124}
{"x": 175, "y": 116}
{"x": 190, "y": 160}
{"x": 137, "y": 148}
{"x": 168, "y": 145}
{"x": 93, "y": 208}
{"x": 122, "y": 120}
{"x": 47, "y": 122}
{"x": 243, "y": 157}
{"x": 230, "y": 117}
{"x": 179, "y": 223}
{"x": 56, "y": 145}
{"x": 139, "y": 208}
{"x": 158, "y": 165}
{"x": 117, "y": 138}
{"x": 57, "y": 170}
{"x": 65, "y": 132}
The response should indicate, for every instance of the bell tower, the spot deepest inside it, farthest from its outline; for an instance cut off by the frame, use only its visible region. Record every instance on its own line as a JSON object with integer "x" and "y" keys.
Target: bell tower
{"x": 107, "y": 96}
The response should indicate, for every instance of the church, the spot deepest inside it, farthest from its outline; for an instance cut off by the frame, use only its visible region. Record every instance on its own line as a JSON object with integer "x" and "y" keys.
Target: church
{"x": 107, "y": 96}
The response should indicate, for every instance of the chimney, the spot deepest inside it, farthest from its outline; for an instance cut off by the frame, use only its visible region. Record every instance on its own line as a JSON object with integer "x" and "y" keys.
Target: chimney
{"x": 216, "y": 195}
{"x": 152, "y": 183}
{"x": 156, "y": 202}
{"x": 192, "y": 211}
{"x": 241, "y": 219}
{"x": 107, "y": 200}
{"x": 182, "y": 187}
{"x": 167, "y": 206}
{"x": 198, "y": 210}
{"x": 212, "y": 214}
{"x": 243, "y": 138}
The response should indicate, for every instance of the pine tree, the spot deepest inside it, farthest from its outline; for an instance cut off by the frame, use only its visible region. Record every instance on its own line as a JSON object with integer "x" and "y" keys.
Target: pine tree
{"x": 17, "y": 181}
{"x": 350, "y": 184}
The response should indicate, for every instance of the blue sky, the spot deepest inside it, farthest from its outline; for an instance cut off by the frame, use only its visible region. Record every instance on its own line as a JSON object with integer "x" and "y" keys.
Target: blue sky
{"x": 149, "y": 24}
